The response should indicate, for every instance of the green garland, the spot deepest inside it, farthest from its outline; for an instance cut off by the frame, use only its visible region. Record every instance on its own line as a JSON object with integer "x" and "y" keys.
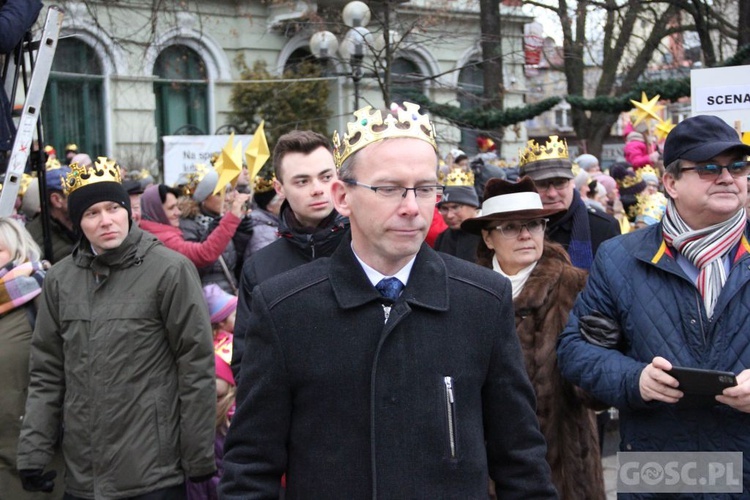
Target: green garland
{"x": 490, "y": 119}
{"x": 481, "y": 118}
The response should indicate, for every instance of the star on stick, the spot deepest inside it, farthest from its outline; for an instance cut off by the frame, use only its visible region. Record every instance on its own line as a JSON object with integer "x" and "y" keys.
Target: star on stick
{"x": 230, "y": 165}
{"x": 664, "y": 128}
{"x": 646, "y": 109}
{"x": 257, "y": 152}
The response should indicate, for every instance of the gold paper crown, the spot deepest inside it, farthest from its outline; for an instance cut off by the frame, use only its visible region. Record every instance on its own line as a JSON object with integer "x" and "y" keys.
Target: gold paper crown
{"x": 103, "y": 170}
{"x": 370, "y": 127}
{"x": 457, "y": 177}
{"x": 263, "y": 185}
{"x": 652, "y": 206}
{"x": 648, "y": 169}
{"x": 629, "y": 181}
{"x": 554, "y": 149}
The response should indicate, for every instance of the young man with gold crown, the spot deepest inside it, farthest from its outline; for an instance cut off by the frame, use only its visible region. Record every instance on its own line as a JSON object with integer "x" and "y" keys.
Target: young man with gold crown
{"x": 579, "y": 229}
{"x": 389, "y": 370}
{"x": 121, "y": 358}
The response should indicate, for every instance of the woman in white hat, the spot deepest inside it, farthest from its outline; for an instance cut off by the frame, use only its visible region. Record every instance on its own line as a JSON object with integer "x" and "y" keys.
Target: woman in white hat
{"x": 545, "y": 285}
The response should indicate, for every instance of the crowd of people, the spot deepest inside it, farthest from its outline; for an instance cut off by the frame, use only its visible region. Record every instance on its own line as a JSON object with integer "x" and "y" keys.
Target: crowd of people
{"x": 365, "y": 319}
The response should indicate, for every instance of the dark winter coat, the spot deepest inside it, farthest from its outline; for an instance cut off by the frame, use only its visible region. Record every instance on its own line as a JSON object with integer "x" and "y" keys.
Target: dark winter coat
{"x": 637, "y": 282}
{"x": 458, "y": 243}
{"x": 293, "y": 249}
{"x": 16, "y": 17}
{"x": 601, "y": 228}
{"x": 122, "y": 354}
{"x": 15, "y": 341}
{"x": 421, "y": 406}
{"x": 198, "y": 229}
{"x": 63, "y": 239}
{"x": 265, "y": 228}
{"x": 569, "y": 427}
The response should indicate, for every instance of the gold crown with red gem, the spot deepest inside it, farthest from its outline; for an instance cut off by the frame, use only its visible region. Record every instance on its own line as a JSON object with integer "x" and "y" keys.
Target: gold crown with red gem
{"x": 102, "y": 170}
{"x": 369, "y": 127}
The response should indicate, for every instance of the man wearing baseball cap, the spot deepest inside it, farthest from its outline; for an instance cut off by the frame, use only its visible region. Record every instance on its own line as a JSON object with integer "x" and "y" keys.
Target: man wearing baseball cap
{"x": 121, "y": 358}
{"x": 675, "y": 294}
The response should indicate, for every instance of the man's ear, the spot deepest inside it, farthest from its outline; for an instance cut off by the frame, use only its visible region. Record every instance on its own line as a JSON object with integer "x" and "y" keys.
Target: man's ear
{"x": 56, "y": 199}
{"x": 668, "y": 182}
{"x": 278, "y": 187}
{"x": 340, "y": 197}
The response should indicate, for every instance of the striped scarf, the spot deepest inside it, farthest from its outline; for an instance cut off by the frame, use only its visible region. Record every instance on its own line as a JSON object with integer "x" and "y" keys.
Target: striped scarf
{"x": 19, "y": 284}
{"x": 705, "y": 248}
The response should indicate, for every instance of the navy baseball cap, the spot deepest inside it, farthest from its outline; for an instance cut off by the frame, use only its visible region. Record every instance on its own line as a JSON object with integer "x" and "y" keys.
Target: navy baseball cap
{"x": 700, "y": 138}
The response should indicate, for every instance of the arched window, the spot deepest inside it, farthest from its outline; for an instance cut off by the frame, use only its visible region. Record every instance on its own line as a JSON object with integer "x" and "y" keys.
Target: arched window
{"x": 405, "y": 77}
{"x": 470, "y": 89}
{"x": 181, "y": 90}
{"x": 73, "y": 108}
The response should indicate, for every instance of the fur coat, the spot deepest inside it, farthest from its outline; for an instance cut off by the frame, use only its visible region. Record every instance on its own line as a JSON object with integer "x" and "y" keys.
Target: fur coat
{"x": 568, "y": 425}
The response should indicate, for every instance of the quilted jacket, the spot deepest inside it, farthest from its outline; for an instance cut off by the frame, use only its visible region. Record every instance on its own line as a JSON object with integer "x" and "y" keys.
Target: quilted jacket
{"x": 636, "y": 281}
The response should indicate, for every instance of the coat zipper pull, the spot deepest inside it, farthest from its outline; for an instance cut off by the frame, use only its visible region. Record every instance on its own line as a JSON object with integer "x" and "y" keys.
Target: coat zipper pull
{"x": 451, "y": 408}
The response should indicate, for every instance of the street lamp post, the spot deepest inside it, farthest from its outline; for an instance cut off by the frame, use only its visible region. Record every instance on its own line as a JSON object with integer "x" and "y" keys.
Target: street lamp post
{"x": 324, "y": 44}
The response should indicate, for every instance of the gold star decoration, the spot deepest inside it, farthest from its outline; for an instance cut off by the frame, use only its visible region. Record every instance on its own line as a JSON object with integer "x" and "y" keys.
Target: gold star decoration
{"x": 664, "y": 128}
{"x": 229, "y": 165}
{"x": 647, "y": 109}
{"x": 257, "y": 152}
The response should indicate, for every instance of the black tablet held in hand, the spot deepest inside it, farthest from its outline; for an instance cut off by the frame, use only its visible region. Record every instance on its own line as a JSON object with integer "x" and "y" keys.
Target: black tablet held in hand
{"x": 699, "y": 381}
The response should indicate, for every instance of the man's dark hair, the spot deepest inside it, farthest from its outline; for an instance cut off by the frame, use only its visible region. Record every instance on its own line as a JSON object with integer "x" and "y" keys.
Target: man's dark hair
{"x": 298, "y": 141}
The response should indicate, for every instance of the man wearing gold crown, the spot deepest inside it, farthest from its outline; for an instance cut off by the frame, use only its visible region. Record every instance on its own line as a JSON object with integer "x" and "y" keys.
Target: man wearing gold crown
{"x": 121, "y": 359}
{"x": 458, "y": 203}
{"x": 389, "y": 370}
{"x": 675, "y": 294}
{"x": 579, "y": 229}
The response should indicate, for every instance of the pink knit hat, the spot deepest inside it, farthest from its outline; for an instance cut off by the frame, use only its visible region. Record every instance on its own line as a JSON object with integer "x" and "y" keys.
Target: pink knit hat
{"x": 220, "y": 303}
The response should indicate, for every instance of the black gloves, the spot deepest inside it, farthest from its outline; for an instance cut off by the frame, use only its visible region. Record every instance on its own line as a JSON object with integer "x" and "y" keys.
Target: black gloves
{"x": 599, "y": 330}
{"x": 201, "y": 479}
{"x": 37, "y": 480}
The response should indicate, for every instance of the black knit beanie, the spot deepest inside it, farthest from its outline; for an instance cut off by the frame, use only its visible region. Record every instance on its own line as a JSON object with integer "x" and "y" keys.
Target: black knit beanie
{"x": 85, "y": 196}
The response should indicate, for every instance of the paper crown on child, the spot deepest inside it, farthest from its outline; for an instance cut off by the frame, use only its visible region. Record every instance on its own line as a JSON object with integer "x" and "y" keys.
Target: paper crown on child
{"x": 369, "y": 127}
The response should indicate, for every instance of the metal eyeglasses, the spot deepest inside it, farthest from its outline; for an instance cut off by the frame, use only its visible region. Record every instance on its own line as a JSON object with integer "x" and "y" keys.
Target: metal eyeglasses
{"x": 422, "y": 193}
{"x": 513, "y": 229}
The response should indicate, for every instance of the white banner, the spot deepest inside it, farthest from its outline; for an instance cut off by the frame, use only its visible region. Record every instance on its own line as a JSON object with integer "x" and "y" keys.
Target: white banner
{"x": 182, "y": 152}
{"x": 722, "y": 92}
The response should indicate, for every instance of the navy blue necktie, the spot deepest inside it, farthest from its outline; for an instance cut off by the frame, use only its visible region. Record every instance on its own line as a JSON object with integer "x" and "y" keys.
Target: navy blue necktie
{"x": 390, "y": 288}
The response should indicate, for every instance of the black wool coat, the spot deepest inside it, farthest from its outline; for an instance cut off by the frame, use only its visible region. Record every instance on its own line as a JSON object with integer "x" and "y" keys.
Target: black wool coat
{"x": 429, "y": 404}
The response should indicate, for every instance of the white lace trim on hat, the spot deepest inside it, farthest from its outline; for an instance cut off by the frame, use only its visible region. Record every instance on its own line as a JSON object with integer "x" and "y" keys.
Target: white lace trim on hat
{"x": 513, "y": 202}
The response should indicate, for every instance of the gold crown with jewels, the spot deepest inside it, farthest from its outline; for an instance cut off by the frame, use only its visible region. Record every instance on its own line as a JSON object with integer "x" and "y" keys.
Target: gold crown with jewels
{"x": 102, "y": 170}
{"x": 457, "y": 177}
{"x": 370, "y": 127}
{"x": 554, "y": 149}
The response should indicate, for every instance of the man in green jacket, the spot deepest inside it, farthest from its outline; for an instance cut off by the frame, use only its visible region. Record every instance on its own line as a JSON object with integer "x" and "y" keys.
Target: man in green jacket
{"x": 121, "y": 359}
